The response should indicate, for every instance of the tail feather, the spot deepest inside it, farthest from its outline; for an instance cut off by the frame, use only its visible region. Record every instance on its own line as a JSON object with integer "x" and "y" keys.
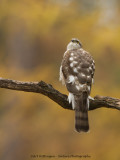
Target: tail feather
{"x": 81, "y": 112}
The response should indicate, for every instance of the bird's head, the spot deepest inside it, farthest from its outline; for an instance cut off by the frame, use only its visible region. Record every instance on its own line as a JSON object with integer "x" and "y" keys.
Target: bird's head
{"x": 74, "y": 44}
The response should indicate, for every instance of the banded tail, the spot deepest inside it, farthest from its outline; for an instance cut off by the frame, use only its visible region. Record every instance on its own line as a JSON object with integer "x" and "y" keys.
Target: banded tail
{"x": 81, "y": 103}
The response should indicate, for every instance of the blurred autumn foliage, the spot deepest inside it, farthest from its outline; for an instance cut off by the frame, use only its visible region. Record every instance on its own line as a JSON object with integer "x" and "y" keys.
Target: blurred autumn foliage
{"x": 33, "y": 37}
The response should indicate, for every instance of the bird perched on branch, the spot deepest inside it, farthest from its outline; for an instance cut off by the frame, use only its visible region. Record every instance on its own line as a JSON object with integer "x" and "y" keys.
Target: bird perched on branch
{"x": 76, "y": 72}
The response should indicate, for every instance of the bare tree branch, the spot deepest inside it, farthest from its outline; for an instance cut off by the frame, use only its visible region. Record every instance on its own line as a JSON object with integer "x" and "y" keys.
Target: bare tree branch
{"x": 56, "y": 96}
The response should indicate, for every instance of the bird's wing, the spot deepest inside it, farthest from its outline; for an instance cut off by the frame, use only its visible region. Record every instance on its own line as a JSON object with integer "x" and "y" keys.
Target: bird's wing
{"x": 78, "y": 70}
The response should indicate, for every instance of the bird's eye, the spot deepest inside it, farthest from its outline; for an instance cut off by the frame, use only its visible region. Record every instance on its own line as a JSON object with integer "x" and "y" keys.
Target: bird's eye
{"x": 73, "y": 40}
